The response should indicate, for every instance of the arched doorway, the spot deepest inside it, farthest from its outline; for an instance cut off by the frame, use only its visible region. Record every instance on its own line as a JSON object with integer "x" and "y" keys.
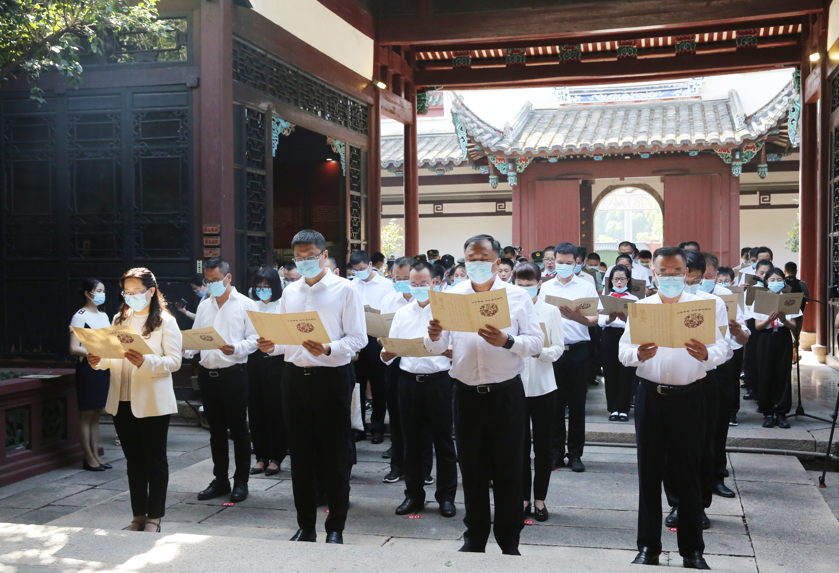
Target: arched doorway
{"x": 627, "y": 213}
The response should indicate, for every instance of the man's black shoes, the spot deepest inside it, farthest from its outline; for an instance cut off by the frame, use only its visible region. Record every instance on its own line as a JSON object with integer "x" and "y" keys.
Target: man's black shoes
{"x": 672, "y": 520}
{"x": 644, "y": 557}
{"x": 388, "y": 453}
{"x": 706, "y": 523}
{"x": 301, "y": 535}
{"x": 378, "y": 438}
{"x": 695, "y": 561}
{"x": 410, "y": 506}
{"x": 576, "y": 465}
{"x": 335, "y": 537}
{"x": 721, "y": 490}
{"x": 448, "y": 509}
{"x": 240, "y": 491}
{"x": 216, "y": 488}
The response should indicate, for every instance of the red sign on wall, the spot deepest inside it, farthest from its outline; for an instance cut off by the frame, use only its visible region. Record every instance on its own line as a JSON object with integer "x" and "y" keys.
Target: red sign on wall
{"x": 210, "y": 253}
{"x": 212, "y": 229}
{"x": 212, "y": 241}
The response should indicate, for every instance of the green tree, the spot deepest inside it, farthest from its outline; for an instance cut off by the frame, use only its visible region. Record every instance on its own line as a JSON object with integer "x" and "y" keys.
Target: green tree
{"x": 393, "y": 241}
{"x": 792, "y": 242}
{"x": 38, "y": 36}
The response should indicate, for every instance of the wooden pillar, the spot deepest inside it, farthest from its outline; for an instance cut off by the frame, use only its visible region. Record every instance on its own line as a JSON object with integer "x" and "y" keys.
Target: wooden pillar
{"x": 823, "y": 191}
{"x": 807, "y": 205}
{"x": 374, "y": 177}
{"x": 410, "y": 173}
{"x": 586, "y": 217}
{"x": 216, "y": 124}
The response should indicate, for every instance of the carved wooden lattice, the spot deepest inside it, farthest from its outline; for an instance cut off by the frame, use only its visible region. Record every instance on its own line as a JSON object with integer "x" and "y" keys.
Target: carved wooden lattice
{"x": 255, "y": 178}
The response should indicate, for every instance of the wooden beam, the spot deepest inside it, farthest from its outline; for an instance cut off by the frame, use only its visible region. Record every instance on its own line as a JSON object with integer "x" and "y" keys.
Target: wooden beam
{"x": 614, "y": 71}
{"x": 774, "y": 167}
{"x": 396, "y": 107}
{"x": 645, "y": 16}
{"x": 116, "y": 77}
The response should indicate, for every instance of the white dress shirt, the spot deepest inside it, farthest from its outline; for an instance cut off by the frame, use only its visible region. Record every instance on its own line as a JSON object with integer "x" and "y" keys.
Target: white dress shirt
{"x": 373, "y": 292}
{"x": 575, "y": 288}
{"x": 234, "y": 325}
{"x": 338, "y": 304}
{"x": 741, "y": 320}
{"x": 588, "y": 278}
{"x": 672, "y": 366}
{"x": 538, "y": 376}
{"x": 639, "y": 273}
{"x": 617, "y": 323}
{"x": 722, "y": 320}
{"x": 411, "y": 321}
{"x": 394, "y": 301}
{"x": 474, "y": 361}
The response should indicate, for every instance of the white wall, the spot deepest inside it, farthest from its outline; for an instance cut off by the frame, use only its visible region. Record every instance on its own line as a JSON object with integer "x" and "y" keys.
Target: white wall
{"x": 832, "y": 25}
{"x": 447, "y": 234}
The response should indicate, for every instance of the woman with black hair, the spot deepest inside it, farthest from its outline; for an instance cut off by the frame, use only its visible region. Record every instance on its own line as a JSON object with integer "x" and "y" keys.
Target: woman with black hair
{"x": 142, "y": 395}
{"x": 91, "y": 386}
{"x": 265, "y": 404}
{"x": 774, "y": 358}
{"x": 617, "y": 377}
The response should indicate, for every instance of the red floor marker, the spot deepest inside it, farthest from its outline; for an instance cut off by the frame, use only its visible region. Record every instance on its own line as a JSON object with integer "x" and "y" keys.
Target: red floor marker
{"x": 414, "y": 516}
{"x": 228, "y": 504}
{"x": 326, "y": 511}
{"x": 528, "y": 522}
{"x": 673, "y": 529}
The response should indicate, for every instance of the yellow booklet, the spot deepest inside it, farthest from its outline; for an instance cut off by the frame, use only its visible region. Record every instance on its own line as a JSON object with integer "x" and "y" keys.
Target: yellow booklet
{"x": 111, "y": 342}
{"x": 767, "y": 302}
{"x": 405, "y": 347}
{"x": 378, "y": 324}
{"x": 585, "y": 306}
{"x": 202, "y": 339}
{"x": 672, "y": 325}
{"x": 470, "y": 312}
{"x": 291, "y": 329}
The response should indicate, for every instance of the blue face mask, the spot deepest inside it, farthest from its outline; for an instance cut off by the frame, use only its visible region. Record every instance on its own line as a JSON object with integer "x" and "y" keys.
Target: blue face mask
{"x": 263, "y": 293}
{"x": 619, "y": 290}
{"x": 137, "y": 302}
{"x": 541, "y": 266}
{"x": 532, "y": 291}
{"x": 420, "y": 294}
{"x": 438, "y": 288}
{"x": 564, "y": 271}
{"x": 577, "y": 269}
{"x": 707, "y": 285}
{"x": 776, "y": 286}
{"x": 479, "y": 272}
{"x": 362, "y": 275}
{"x": 217, "y": 288}
{"x": 402, "y": 286}
{"x": 309, "y": 269}
{"x": 671, "y": 287}
{"x": 458, "y": 281}
{"x": 99, "y": 298}
{"x": 753, "y": 265}
{"x": 691, "y": 289}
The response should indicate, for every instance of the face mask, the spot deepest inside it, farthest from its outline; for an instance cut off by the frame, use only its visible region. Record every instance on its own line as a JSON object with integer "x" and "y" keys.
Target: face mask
{"x": 619, "y": 290}
{"x": 776, "y": 286}
{"x": 593, "y": 268}
{"x": 362, "y": 275}
{"x": 309, "y": 269}
{"x": 753, "y": 265}
{"x": 671, "y": 287}
{"x": 420, "y": 294}
{"x": 691, "y": 289}
{"x": 577, "y": 269}
{"x": 564, "y": 271}
{"x": 645, "y": 265}
{"x": 263, "y": 293}
{"x": 136, "y": 302}
{"x": 402, "y": 286}
{"x": 217, "y": 288}
{"x": 99, "y": 298}
{"x": 438, "y": 287}
{"x": 479, "y": 271}
{"x": 202, "y": 294}
{"x": 541, "y": 266}
{"x": 458, "y": 281}
{"x": 532, "y": 291}
{"x": 706, "y": 285}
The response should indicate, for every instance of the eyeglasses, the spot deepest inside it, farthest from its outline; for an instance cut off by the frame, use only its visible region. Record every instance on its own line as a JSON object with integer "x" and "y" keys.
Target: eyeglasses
{"x": 620, "y": 280}
{"x": 548, "y": 260}
{"x": 303, "y": 259}
{"x": 127, "y": 294}
{"x": 208, "y": 283}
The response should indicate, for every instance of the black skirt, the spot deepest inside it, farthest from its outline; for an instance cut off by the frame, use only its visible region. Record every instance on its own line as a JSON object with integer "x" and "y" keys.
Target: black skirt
{"x": 91, "y": 386}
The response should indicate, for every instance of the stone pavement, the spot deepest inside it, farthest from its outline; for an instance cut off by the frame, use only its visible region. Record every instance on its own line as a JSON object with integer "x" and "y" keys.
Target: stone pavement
{"x": 71, "y": 520}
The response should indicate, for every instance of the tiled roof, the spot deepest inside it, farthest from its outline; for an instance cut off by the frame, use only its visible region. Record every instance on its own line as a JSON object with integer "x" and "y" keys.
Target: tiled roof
{"x": 431, "y": 150}
{"x": 686, "y": 124}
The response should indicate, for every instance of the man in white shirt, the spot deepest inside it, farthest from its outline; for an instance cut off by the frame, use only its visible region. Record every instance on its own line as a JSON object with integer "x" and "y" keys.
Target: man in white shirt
{"x": 223, "y": 378}
{"x": 317, "y": 387}
{"x": 760, "y": 254}
{"x": 372, "y": 288}
{"x": 594, "y": 366}
{"x": 669, "y": 418}
{"x": 399, "y": 298}
{"x": 490, "y": 417}
{"x": 573, "y": 369}
{"x": 744, "y": 259}
{"x": 425, "y": 401}
{"x": 639, "y": 273}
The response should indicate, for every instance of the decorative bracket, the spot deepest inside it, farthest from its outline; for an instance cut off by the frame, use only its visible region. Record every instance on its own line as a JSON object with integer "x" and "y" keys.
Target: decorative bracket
{"x": 340, "y": 148}
{"x": 461, "y": 135}
{"x": 279, "y": 127}
{"x": 795, "y": 110}
{"x": 738, "y": 157}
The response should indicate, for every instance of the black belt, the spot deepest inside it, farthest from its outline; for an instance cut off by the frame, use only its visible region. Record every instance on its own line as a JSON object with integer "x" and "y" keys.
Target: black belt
{"x": 576, "y": 344}
{"x": 309, "y": 370}
{"x": 487, "y": 388}
{"x": 214, "y": 372}
{"x": 666, "y": 390}
{"x": 425, "y": 377}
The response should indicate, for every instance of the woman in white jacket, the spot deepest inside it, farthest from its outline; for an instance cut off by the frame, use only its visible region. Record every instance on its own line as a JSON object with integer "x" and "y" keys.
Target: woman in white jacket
{"x": 142, "y": 397}
{"x": 539, "y": 387}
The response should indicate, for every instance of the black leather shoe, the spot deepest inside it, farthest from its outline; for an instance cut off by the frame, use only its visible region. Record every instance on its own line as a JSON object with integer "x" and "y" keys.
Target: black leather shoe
{"x": 378, "y": 438}
{"x": 748, "y": 396}
{"x": 87, "y": 467}
{"x": 255, "y": 470}
{"x": 644, "y": 557}
{"x": 410, "y": 505}
{"x": 706, "y": 523}
{"x": 304, "y": 536}
{"x": 388, "y": 453}
{"x": 469, "y": 548}
{"x": 559, "y": 461}
{"x": 240, "y": 491}
{"x": 528, "y": 510}
{"x": 511, "y": 551}
{"x": 725, "y": 473}
{"x": 540, "y": 514}
{"x": 110, "y": 467}
{"x": 781, "y": 421}
{"x": 448, "y": 509}
{"x": 576, "y": 465}
{"x": 672, "y": 520}
{"x": 269, "y": 472}
{"x": 216, "y": 488}
{"x": 721, "y": 490}
{"x": 695, "y": 561}
{"x": 335, "y": 537}
{"x": 769, "y": 421}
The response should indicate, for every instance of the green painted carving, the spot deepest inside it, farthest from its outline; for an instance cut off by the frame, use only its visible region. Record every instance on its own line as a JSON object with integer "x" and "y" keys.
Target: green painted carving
{"x": 461, "y": 135}
{"x": 686, "y": 45}
{"x": 571, "y": 53}
{"x": 462, "y": 59}
{"x": 340, "y": 148}
{"x": 795, "y": 110}
{"x": 516, "y": 56}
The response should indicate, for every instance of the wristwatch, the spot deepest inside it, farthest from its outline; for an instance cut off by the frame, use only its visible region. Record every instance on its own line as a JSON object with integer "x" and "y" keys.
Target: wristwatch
{"x": 509, "y": 344}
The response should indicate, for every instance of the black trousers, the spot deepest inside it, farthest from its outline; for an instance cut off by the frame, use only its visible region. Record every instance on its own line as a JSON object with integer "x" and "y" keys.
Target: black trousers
{"x": 224, "y": 393}
{"x": 594, "y": 352}
{"x": 316, "y": 404}
{"x": 572, "y": 375}
{"x": 397, "y": 444}
{"x": 490, "y": 435}
{"x": 265, "y": 406}
{"x": 369, "y": 367}
{"x": 669, "y": 428}
{"x": 144, "y": 445}
{"x": 540, "y": 417}
{"x": 750, "y": 359}
{"x": 426, "y": 406}
{"x": 725, "y": 373}
{"x": 616, "y": 377}
{"x": 735, "y": 365}
{"x": 774, "y": 371}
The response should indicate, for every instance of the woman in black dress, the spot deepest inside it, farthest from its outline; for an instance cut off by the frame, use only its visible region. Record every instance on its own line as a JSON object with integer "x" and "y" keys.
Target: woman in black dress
{"x": 91, "y": 385}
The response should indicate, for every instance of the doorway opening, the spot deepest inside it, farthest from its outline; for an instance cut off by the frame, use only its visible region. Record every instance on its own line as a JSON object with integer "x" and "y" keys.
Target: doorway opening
{"x": 627, "y": 214}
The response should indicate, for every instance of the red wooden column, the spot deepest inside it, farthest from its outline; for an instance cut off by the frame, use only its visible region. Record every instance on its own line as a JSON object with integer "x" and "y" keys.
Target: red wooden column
{"x": 410, "y": 172}
{"x": 374, "y": 176}
{"x": 823, "y": 192}
{"x": 688, "y": 213}
{"x": 807, "y": 205}
{"x": 215, "y": 118}
{"x": 586, "y": 217}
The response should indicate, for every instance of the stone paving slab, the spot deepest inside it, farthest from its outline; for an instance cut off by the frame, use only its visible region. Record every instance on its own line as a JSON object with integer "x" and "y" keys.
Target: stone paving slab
{"x": 42, "y": 495}
{"x": 768, "y": 468}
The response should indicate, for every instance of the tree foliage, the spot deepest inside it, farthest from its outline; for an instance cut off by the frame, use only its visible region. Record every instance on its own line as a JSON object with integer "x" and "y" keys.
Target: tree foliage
{"x": 393, "y": 241}
{"x": 37, "y": 36}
